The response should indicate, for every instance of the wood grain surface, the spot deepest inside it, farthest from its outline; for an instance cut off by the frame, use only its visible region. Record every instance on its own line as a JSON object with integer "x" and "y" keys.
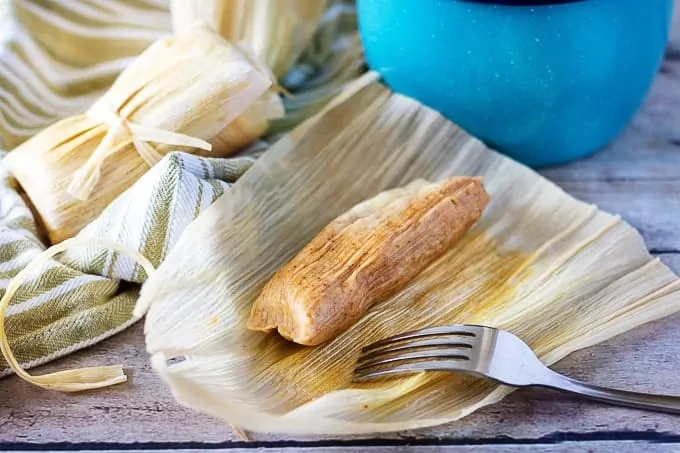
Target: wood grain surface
{"x": 638, "y": 177}
{"x": 567, "y": 447}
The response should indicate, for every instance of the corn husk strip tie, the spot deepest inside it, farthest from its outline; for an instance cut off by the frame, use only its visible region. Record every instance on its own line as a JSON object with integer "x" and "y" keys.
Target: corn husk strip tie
{"x": 87, "y": 176}
{"x": 70, "y": 380}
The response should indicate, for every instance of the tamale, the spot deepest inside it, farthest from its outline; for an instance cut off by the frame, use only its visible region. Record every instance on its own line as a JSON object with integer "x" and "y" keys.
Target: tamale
{"x": 278, "y": 31}
{"x": 367, "y": 254}
{"x": 194, "y": 91}
{"x": 560, "y": 273}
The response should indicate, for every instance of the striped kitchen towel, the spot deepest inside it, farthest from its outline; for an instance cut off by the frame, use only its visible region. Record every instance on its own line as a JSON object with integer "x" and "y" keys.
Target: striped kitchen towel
{"x": 77, "y": 299}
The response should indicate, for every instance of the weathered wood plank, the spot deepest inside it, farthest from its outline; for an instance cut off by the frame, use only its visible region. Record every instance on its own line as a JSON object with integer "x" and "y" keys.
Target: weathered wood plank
{"x": 652, "y": 207}
{"x": 144, "y": 411}
{"x": 567, "y": 447}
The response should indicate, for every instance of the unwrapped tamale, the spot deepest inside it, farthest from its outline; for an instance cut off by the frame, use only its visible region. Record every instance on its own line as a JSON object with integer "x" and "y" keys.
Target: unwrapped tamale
{"x": 193, "y": 91}
{"x": 366, "y": 255}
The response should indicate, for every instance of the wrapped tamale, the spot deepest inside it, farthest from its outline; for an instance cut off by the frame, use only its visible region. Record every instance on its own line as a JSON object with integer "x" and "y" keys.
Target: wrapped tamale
{"x": 312, "y": 46}
{"x": 278, "y": 31}
{"x": 193, "y": 91}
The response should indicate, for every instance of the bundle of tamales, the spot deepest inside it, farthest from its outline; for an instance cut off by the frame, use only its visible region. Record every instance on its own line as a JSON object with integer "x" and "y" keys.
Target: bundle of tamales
{"x": 193, "y": 91}
{"x": 330, "y": 58}
{"x": 295, "y": 233}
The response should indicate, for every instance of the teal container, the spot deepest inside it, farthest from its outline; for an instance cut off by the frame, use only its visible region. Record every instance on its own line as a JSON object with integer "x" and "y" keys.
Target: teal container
{"x": 545, "y": 83}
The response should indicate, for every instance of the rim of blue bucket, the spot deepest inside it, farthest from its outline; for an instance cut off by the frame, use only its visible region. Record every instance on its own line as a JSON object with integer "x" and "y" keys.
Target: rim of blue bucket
{"x": 522, "y": 2}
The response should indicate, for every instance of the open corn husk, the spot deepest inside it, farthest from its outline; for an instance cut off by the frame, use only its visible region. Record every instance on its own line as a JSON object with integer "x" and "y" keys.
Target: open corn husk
{"x": 558, "y": 272}
{"x": 278, "y": 31}
{"x": 182, "y": 92}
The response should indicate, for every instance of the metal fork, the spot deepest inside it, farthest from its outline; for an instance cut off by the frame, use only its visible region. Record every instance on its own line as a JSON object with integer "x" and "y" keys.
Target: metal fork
{"x": 492, "y": 354}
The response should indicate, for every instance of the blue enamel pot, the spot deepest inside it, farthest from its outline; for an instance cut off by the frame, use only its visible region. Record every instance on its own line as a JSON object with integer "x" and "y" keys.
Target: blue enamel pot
{"x": 545, "y": 82}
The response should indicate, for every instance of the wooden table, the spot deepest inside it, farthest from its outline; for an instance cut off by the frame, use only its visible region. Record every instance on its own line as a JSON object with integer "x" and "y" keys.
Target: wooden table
{"x": 638, "y": 177}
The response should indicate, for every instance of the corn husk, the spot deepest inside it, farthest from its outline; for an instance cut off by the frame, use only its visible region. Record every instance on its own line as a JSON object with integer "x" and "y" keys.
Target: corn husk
{"x": 278, "y": 31}
{"x": 558, "y": 272}
{"x": 181, "y": 92}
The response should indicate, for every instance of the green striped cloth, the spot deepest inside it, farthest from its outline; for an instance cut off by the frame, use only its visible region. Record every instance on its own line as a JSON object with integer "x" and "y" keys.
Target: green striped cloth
{"x": 77, "y": 299}
{"x": 87, "y": 294}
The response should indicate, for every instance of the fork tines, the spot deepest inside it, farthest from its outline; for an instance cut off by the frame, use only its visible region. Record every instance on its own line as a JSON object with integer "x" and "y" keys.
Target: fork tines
{"x": 432, "y": 349}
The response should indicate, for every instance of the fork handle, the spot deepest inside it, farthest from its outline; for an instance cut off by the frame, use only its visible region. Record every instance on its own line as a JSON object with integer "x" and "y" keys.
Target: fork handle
{"x": 657, "y": 403}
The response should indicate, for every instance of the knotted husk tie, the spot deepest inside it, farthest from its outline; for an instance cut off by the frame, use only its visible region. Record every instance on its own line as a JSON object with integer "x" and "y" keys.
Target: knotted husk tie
{"x": 85, "y": 179}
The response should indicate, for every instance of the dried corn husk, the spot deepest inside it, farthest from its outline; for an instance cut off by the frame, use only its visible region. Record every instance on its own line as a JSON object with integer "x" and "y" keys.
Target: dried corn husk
{"x": 278, "y": 31}
{"x": 179, "y": 93}
{"x": 560, "y": 273}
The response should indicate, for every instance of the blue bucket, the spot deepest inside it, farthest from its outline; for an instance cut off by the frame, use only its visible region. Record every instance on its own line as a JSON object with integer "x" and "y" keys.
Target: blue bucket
{"x": 544, "y": 82}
